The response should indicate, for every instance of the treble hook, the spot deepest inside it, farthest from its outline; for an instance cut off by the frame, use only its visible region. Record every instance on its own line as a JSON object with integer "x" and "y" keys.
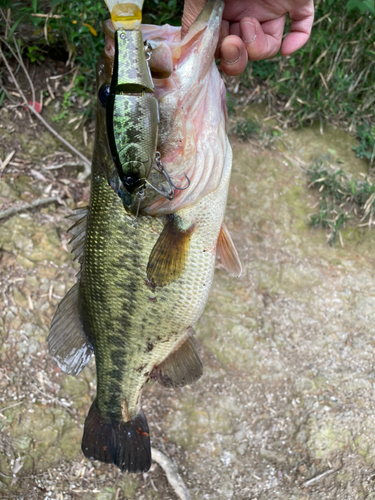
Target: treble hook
{"x": 160, "y": 168}
{"x": 140, "y": 195}
{"x": 148, "y": 49}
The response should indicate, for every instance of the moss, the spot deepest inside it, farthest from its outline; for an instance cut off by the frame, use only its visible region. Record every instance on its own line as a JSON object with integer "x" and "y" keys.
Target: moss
{"x": 128, "y": 484}
{"x": 75, "y": 389}
{"x": 193, "y": 419}
{"x": 328, "y": 437}
{"x": 107, "y": 493}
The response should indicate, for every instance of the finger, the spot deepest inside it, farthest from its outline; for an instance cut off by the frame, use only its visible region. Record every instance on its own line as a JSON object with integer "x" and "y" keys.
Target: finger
{"x": 233, "y": 55}
{"x": 161, "y": 64}
{"x": 235, "y": 29}
{"x": 262, "y": 41}
{"x": 300, "y": 30}
{"x": 224, "y": 32}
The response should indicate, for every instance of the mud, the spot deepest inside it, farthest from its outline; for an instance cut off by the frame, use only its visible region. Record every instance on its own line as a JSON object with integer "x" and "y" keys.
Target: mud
{"x": 285, "y": 408}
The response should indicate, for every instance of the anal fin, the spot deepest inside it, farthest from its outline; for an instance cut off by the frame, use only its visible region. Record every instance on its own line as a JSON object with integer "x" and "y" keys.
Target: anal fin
{"x": 227, "y": 252}
{"x": 168, "y": 257}
{"x": 67, "y": 340}
{"x": 183, "y": 366}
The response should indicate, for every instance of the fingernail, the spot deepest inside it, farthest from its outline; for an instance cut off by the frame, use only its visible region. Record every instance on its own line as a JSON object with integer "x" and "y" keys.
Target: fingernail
{"x": 230, "y": 54}
{"x": 249, "y": 32}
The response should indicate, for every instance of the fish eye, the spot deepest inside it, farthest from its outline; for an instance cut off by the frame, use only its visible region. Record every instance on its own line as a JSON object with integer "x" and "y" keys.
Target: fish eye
{"x": 104, "y": 93}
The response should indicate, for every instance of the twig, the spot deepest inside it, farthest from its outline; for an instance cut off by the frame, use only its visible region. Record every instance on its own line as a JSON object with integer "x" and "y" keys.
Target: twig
{"x": 49, "y": 16}
{"x": 20, "y": 208}
{"x": 64, "y": 164}
{"x": 6, "y": 19}
{"x": 174, "y": 478}
{"x": 11, "y": 406}
{"x": 4, "y": 475}
{"x": 82, "y": 176}
{"x": 318, "y": 478}
{"x": 7, "y": 160}
{"x": 26, "y": 72}
{"x": 40, "y": 118}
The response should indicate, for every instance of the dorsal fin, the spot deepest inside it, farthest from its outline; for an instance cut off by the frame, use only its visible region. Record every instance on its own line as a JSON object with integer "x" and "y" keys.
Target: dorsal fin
{"x": 168, "y": 257}
{"x": 67, "y": 340}
{"x": 183, "y": 366}
{"x": 227, "y": 252}
{"x": 78, "y": 230}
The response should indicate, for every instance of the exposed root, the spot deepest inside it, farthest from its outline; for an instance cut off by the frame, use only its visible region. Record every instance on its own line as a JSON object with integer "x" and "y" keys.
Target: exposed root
{"x": 170, "y": 469}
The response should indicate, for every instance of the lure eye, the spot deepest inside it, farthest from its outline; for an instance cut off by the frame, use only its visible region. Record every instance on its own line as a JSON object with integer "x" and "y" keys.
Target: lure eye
{"x": 104, "y": 93}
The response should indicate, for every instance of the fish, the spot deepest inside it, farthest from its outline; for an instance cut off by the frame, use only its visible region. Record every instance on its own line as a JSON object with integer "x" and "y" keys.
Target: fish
{"x": 145, "y": 278}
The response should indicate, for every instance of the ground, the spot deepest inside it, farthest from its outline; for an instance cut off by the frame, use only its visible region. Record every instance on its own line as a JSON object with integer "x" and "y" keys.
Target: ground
{"x": 286, "y": 406}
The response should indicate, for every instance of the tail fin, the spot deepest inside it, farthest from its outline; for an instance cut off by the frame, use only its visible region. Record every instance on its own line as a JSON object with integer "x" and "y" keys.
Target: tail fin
{"x": 126, "y": 444}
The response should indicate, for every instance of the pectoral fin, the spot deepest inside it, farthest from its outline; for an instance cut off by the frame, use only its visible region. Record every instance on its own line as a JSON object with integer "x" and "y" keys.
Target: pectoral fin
{"x": 168, "y": 257}
{"x": 183, "y": 366}
{"x": 67, "y": 340}
{"x": 227, "y": 252}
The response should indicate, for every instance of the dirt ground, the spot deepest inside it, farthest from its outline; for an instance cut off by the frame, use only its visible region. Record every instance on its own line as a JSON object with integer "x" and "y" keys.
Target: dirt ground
{"x": 286, "y": 406}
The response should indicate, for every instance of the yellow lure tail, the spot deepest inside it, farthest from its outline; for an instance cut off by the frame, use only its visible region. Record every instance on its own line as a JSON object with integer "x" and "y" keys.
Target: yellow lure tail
{"x": 125, "y": 15}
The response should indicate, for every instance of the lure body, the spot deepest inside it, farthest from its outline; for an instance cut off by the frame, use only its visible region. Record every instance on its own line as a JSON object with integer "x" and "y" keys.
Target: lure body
{"x": 132, "y": 114}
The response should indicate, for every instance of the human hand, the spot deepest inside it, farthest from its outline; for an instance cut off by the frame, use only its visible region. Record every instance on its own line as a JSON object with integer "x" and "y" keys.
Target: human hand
{"x": 253, "y": 29}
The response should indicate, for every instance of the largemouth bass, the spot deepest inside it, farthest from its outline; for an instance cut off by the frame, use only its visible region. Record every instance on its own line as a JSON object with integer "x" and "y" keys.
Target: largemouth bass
{"x": 144, "y": 280}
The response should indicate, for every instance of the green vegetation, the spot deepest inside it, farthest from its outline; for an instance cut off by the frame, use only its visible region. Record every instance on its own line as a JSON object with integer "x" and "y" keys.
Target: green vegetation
{"x": 248, "y": 128}
{"x": 366, "y": 136}
{"x": 332, "y": 77}
{"x": 340, "y": 199}
{"x": 72, "y": 30}
{"x": 38, "y": 25}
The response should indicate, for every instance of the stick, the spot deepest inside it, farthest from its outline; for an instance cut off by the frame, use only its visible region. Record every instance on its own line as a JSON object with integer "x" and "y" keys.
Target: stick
{"x": 65, "y": 164}
{"x": 20, "y": 62}
{"x": 20, "y": 208}
{"x": 49, "y": 16}
{"x": 26, "y": 72}
{"x": 40, "y": 118}
{"x": 317, "y": 478}
{"x": 174, "y": 478}
{"x": 7, "y": 160}
{"x": 11, "y": 406}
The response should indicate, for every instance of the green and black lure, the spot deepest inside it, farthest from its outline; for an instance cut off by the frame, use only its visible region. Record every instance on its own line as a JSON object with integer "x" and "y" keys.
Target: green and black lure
{"x": 132, "y": 118}
{"x": 132, "y": 111}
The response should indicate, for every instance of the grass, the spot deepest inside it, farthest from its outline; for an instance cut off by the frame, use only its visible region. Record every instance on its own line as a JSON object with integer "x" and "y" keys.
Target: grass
{"x": 74, "y": 29}
{"x": 340, "y": 199}
{"x": 366, "y": 147}
{"x": 332, "y": 78}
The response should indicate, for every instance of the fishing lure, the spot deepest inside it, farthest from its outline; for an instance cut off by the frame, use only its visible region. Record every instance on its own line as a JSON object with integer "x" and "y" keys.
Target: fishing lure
{"x": 132, "y": 111}
{"x": 132, "y": 114}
